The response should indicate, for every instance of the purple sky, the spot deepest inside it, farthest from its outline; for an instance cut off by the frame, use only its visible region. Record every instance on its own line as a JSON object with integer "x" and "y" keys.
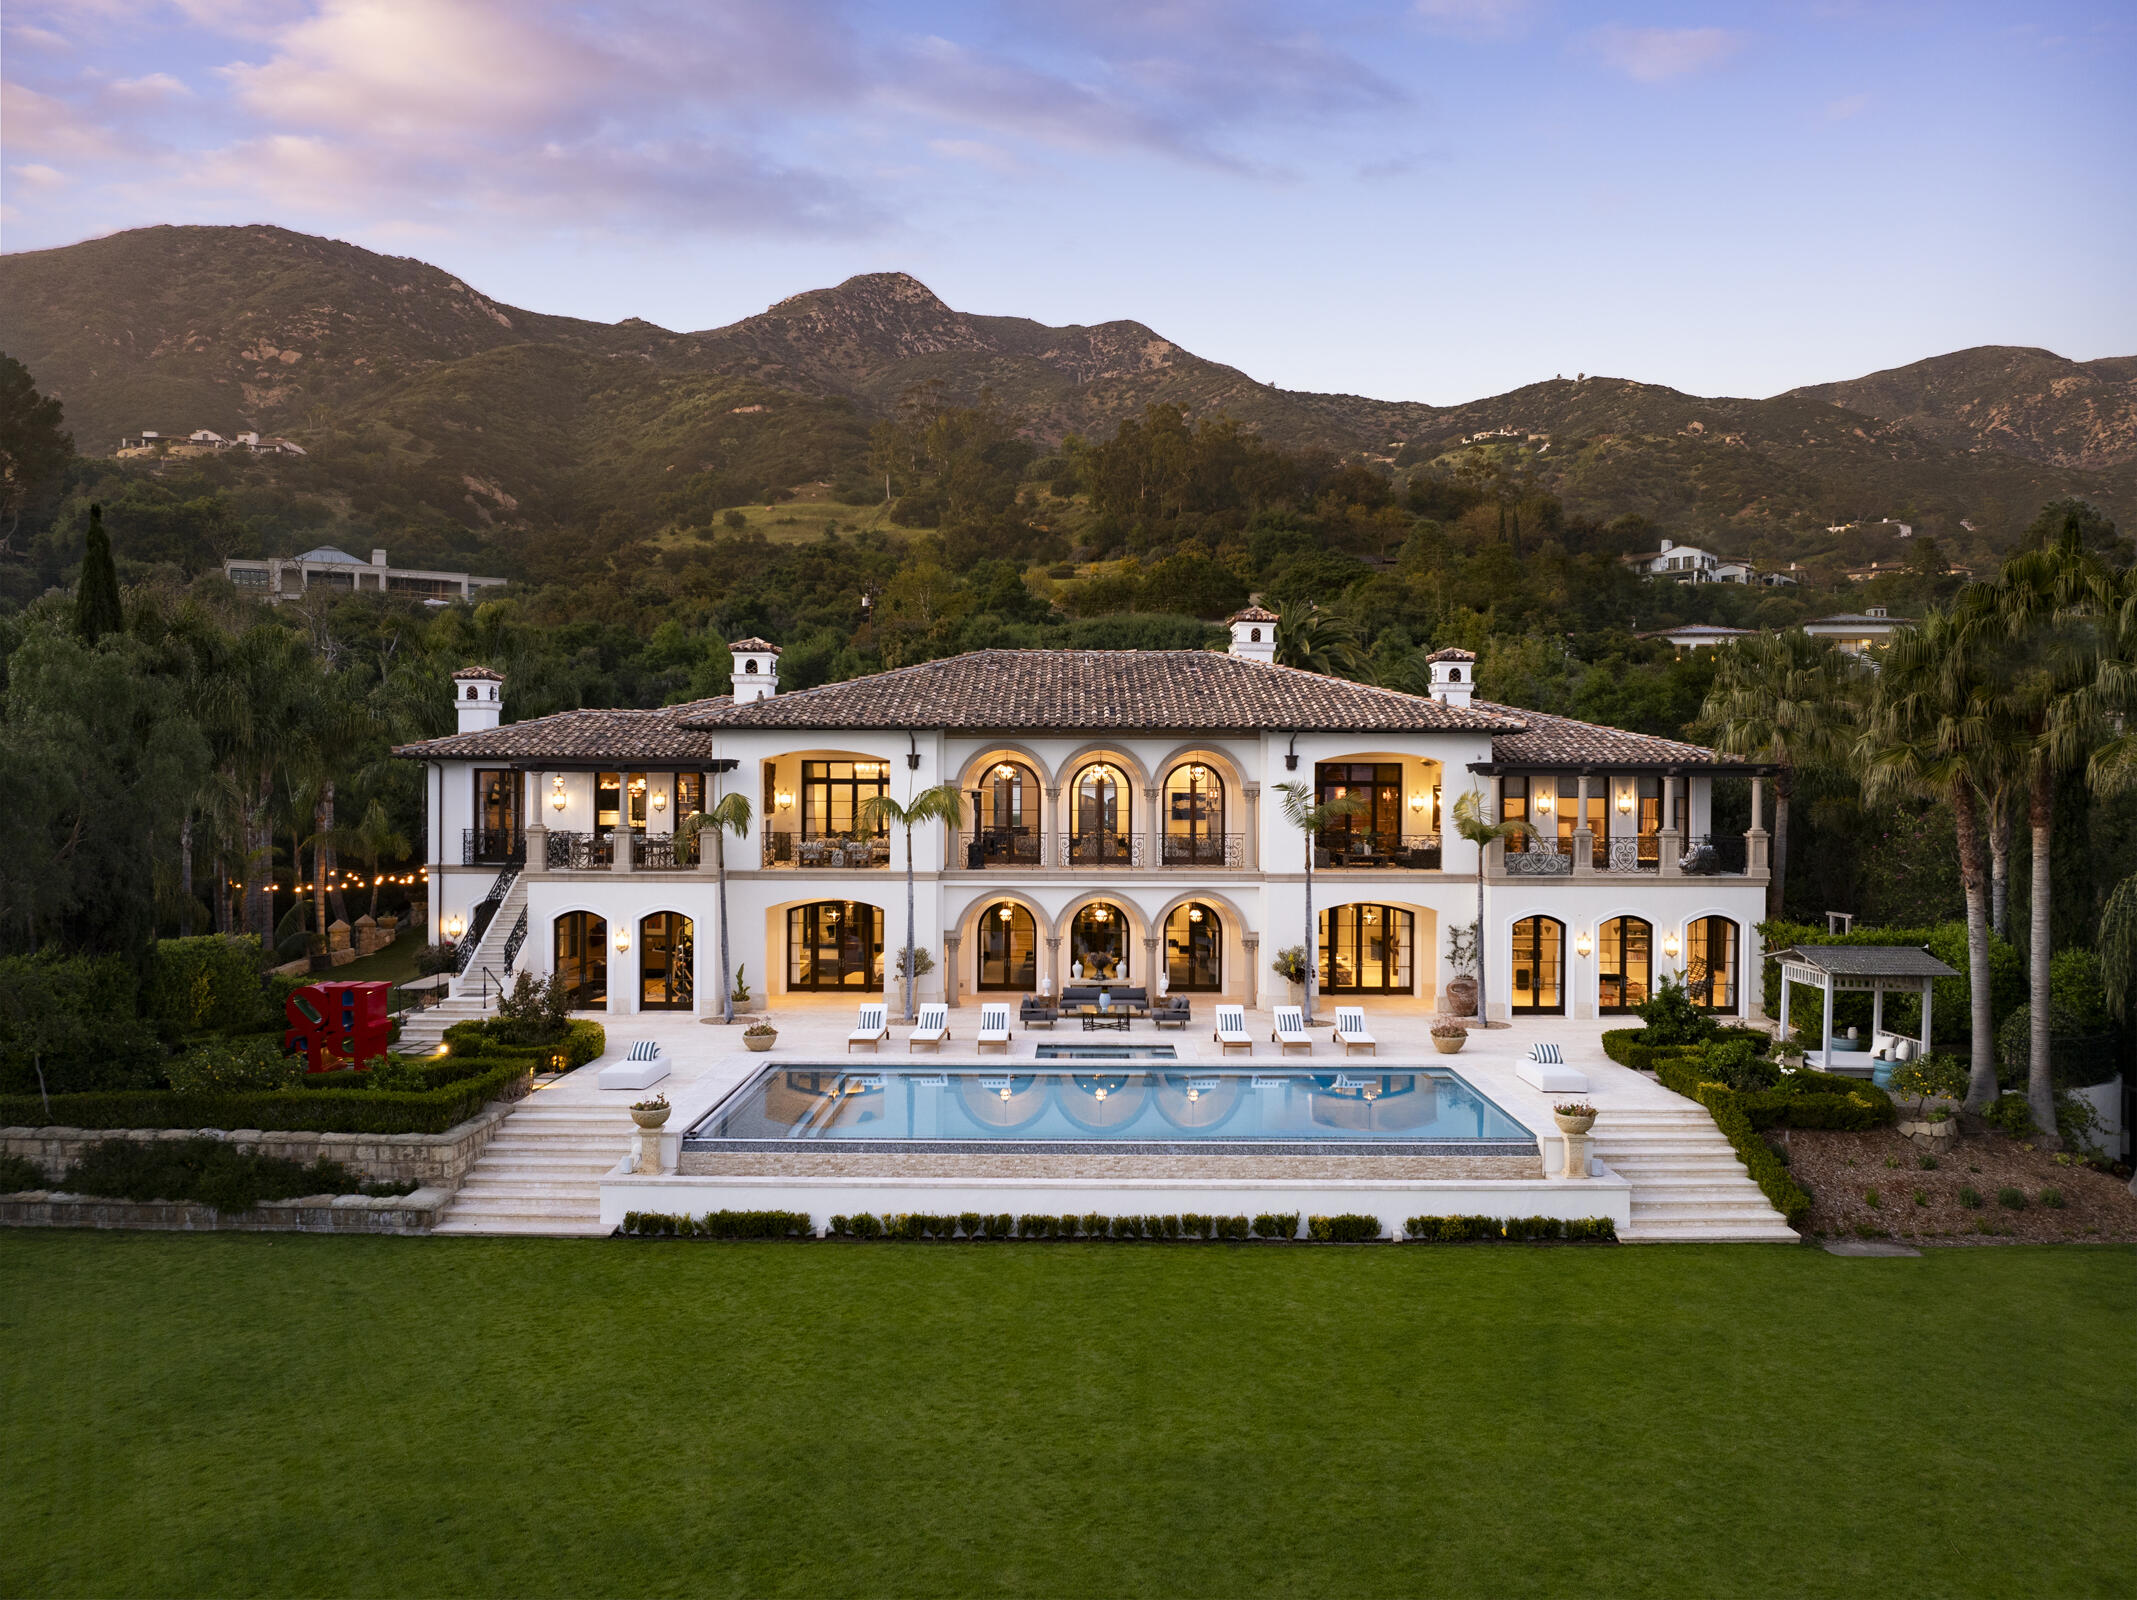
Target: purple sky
{"x": 1432, "y": 201}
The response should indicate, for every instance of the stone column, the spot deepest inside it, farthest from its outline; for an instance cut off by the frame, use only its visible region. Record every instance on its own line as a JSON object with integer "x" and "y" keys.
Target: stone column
{"x": 1151, "y": 969}
{"x": 537, "y": 849}
{"x": 1053, "y": 964}
{"x": 1757, "y": 841}
{"x": 1054, "y": 834}
{"x": 1150, "y": 833}
{"x": 1668, "y": 842}
{"x": 534, "y": 832}
{"x": 621, "y": 839}
{"x": 1253, "y": 852}
{"x": 1251, "y": 942}
{"x": 1583, "y": 836}
{"x": 951, "y": 944}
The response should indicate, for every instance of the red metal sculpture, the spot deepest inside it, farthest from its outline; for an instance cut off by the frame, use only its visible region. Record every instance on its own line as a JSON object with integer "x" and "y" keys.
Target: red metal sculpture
{"x": 338, "y": 1025}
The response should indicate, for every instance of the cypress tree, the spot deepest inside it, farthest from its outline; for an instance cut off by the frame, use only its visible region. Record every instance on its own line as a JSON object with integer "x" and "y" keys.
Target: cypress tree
{"x": 96, "y": 596}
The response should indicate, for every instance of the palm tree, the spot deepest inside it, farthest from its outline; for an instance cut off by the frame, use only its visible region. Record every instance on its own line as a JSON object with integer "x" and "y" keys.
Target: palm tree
{"x": 2051, "y": 614}
{"x": 1933, "y": 730}
{"x": 729, "y": 814}
{"x": 1471, "y": 823}
{"x": 1319, "y": 641}
{"x": 940, "y": 804}
{"x": 373, "y": 840}
{"x": 1789, "y": 700}
{"x": 1311, "y": 820}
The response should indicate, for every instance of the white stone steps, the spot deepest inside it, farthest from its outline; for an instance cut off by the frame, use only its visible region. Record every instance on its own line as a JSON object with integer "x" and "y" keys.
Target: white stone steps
{"x": 542, "y": 1173}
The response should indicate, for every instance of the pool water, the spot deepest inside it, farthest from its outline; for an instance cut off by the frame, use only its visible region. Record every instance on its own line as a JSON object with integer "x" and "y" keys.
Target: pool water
{"x": 1119, "y": 1103}
{"x": 1106, "y": 1052}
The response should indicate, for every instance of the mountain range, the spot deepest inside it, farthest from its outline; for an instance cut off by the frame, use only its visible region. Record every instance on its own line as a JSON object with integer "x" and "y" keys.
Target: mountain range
{"x": 391, "y": 369}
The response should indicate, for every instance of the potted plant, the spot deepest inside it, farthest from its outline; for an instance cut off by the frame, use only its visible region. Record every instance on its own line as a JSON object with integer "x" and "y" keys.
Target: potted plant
{"x": 1461, "y": 996}
{"x": 1290, "y": 965}
{"x": 651, "y": 1113}
{"x": 1578, "y": 1117}
{"x": 1448, "y": 1036}
{"x": 759, "y": 1036}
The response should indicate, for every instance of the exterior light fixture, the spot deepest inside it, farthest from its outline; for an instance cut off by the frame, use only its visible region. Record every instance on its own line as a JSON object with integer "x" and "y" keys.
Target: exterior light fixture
{"x": 1194, "y": 914}
{"x": 1005, "y": 1091}
{"x": 1417, "y": 800}
{"x": 1625, "y": 799}
{"x": 1582, "y": 943}
{"x": 455, "y": 925}
{"x": 1544, "y": 801}
{"x": 785, "y": 798}
{"x": 556, "y": 792}
{"x": 1004, "y": 913}
{"x": 1005, "y": 771}
{"x": 1670, "y": 945}
{"x": 1100, "y": 914}
{"x": 660, "y": 799}
{"x": 623, "y": 940}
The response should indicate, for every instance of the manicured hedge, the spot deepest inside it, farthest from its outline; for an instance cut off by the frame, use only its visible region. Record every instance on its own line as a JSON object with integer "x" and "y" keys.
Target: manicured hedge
{"x": 583, "y": 1041}
{"x": 208, "y": 983}
{"x": 1349, "y": 1227}
{"x": 1510, "y": 1230}
{"x": 209, "y": 1172}
{"x": 275, "y": 1110}
{"x": 1626, "y": 1047}
{"x": 720, "y": 1225}
{"x": 1809, "y": 1099}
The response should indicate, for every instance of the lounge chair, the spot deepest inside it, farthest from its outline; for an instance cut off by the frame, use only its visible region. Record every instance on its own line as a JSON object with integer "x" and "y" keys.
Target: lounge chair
{"x": 993, "y": 1028}
{"x": 869, "y": 1030}
{"x": 1545, "y": 1068}
{"x": 640, "y": 1069}
{"x": 933, "y": 1029}
{"x": 1290, "y": 1030}
{"x": 1037, "y": 1011}
{"x": 1351, "y": 1031}
{"x": 1173, "y": 1011}
{"x": 1231, "y": 1030}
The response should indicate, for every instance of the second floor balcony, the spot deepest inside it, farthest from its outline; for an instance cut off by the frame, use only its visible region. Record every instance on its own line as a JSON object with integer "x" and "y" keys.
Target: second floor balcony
{"x": 1360, "y": 849}
{"x": 826, "y": 852}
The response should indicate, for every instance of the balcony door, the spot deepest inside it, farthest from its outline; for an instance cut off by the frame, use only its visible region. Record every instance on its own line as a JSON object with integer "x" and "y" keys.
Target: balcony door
{"x": 496, "y": 814}
{"x": 582, "y": 959}
{"x": 1008, "y": 948}
{"x": 1376, "y": 830}
{"x": 1194, "y": 817}
{"x": 1710, "y": 963}
{"x": 666, "y": 950}
{"x": 1624, "y": 962}
{"x": 835, "y": 944}
{"x": 1539, "y": 967}
{"x": 1102, "y": 813}
{"x": 1366, "y": 949}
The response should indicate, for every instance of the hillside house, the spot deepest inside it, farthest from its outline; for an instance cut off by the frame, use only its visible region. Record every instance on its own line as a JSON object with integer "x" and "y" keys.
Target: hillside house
{"x": 287, "y": 577}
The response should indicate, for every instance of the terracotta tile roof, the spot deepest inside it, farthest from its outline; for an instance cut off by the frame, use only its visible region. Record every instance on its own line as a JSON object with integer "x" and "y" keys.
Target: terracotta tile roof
{"x": 480, "y": 672}
{"x": 1452, "y": 653}
{"x": 1549, "y": 741}
{"x": 753, "y": 643}
{"x": 1254, "y": 614}
{"x": 619, "y": 736}
{"x": 1101, "y": 689}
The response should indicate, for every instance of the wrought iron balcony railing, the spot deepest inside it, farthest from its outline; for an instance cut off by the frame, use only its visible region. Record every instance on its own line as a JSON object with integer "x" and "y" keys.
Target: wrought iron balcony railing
{"x": 1202, "y": 849}
{"x": 831, "y": 852}
{"x": 1711, "y": 855}
{"x": 1103, "y": 849}
{"x": 581, "y": 852}
{"x": 1358, "y": 849}
{"x": 492, "y": 847}
{"x": 1001, "y": 847}
{"x": 1542, "y": 858}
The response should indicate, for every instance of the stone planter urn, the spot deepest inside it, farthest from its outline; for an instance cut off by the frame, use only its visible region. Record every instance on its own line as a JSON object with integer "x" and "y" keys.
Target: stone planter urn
{"x": 650, "y": 1116}
{"x": 759, "y": 1042}
{"x": 1577, "y": 1142}
{"x": 1461, "y": 1000}
{"x": 1448, "y": 1044}
{"x": 1570, "y": 1125}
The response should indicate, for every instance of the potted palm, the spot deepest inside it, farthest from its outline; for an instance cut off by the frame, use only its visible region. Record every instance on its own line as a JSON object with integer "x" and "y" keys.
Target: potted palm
{"x": 651, "y": 1113}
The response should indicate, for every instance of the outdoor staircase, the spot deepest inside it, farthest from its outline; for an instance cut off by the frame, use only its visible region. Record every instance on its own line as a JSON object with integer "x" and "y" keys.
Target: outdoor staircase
{"x": 422, "y": 1031}
{"x": 1687, "y": 1183}
{"x": 542, "y": 1173}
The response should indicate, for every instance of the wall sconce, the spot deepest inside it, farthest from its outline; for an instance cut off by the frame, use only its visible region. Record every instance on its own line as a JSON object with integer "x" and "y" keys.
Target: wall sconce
{"x": 785, "y": 798}
{"x": 1544, "y": 802}
{"x": 1417, "y": 801}
{"x": 1582, "y": 944}
{"x": 1670, "y": 944}
{"x": 556, "y": 791}
{"x": 1625, "y": 800}
{"x": 623, "y": 940}
{"x": 660, "y": 799}
{"x": 454, "y": 926}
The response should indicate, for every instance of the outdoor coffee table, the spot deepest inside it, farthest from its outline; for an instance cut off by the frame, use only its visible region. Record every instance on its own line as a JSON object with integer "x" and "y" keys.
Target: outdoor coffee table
{"x": 1110, "y": 1021}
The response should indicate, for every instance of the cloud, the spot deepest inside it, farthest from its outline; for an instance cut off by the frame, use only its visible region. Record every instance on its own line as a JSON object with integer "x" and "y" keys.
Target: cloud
{"x": 28, "y": 33}
{"x": 46, "y": 126}
{"x": 1475, "y": 19}
{"x": 1656, "y": 55}
{"x": 39, "y": 176}
{"x": 153, "y": 89}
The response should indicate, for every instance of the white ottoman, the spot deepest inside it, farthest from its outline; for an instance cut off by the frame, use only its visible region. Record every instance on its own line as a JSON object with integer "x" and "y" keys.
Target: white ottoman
{"x": 633, "y": 1074}
{"x": 1551, "y": 1078}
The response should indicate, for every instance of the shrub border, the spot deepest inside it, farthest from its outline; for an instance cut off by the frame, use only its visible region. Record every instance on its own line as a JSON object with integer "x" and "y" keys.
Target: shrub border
{"x": 1186, "y": 1227}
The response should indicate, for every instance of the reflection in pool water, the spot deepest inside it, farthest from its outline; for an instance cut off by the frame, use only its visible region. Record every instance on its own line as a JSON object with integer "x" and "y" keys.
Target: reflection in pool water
{"x": 1162, "y": 1103}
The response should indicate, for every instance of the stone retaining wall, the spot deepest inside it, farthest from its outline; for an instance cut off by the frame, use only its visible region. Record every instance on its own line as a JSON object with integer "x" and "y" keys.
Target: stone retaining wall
{"x": 434, "y": 1160}
{"x": 319, "y": 1213}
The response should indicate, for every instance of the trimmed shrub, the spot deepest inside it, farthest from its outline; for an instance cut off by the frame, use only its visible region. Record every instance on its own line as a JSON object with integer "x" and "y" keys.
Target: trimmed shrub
{"x": 73, "y": 1018}
{"x": 1451, "y": 1230}
{"x": 209, "y": 982}
{"x": 1349, "y": 1227}
{"x": 285, "y": 1110}
{"x": 581, "y": 1041}
{"x": 721, "y": 1225}
{"x": 1735, "y": 1063}
{"x": 2012, "y": 1114}
{"x": 18, "y": 1173}
{"x": 1672, "y": 1019}
{"x": 2011, "y": 1199}
{"x": 1490, "y": 1230}
{"x": 232, "y": 1066}
{"x": 1276, "y": 1225}
{"x": 209, "y": 1172}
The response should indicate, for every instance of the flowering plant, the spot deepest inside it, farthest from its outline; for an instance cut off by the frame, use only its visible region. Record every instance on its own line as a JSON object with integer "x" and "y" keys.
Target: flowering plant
{"x": 658, "y": 1102}
{"x": 1578, "y": 1108}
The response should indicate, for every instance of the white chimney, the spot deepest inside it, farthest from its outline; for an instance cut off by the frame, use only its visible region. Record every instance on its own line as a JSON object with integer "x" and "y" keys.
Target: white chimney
{"x": 479, "y": 698}
{"x": 378, "y": 558}
{"x": 1453, "y": 676}
{"x": 1254, "y": 634}
{"x": 756, "y": 670}
{"x": 1668, "y": 545}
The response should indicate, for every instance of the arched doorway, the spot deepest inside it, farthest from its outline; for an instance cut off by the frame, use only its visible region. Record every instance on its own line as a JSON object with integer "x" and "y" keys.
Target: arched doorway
{"x": 1101, "y": 816}
{"x": 1194, "y": 817}
{"x": 833, "y": 945}
{"x": 1194, "y": 950}
{"x": 1710, "y": 963}
{"x": 666, "y": 952}
{"x": 1540, "y": 967}
{"x": 1098, "y": 944}
{"x": 1366, "y": 949}
{"x": 1008, "y": 948}
{"x": 1005, "y": 813}
{"x": 582, "y": 959}
{"x": 1624, "y": 964}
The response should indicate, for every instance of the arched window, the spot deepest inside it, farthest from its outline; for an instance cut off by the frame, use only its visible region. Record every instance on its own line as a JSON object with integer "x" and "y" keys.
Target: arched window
{"x": 1194, "y": 950}
{"x": 1253, "y": 636}
{"x": 1540, "y": 966}
{"x": 1710, "y": 963}
{"x": 1194, "y": 817}
{"x": 1008, "y": 948}
{"x": 835, "y": 944}
{"x": 1101, "y": 815}
{"x": 1098, "y": 944}
{"x": 666, "y": 950}
{"x": 1005, "y": 810}
{"x": 748, "y": 667}
{"x": 1366, "y": 950}
{"x": 1624, "y": 964}
{"x": 582, "y": 959}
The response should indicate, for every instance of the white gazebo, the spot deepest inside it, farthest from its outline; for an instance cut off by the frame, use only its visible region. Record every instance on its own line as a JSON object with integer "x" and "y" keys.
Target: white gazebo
{"x": 1880, "y": 969}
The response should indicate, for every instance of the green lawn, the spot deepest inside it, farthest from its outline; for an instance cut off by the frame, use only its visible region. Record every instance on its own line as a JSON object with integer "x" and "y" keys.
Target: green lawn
{"x": 229, "y": 1414}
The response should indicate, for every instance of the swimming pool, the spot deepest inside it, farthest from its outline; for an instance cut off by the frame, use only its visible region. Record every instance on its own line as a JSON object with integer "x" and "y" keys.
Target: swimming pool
{"x": 1106, "y": 1052}
{"x": 1124, "y": 1106}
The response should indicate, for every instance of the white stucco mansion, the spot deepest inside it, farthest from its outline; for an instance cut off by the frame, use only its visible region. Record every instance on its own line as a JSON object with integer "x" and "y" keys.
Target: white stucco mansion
{"x": 1121, "y": 823}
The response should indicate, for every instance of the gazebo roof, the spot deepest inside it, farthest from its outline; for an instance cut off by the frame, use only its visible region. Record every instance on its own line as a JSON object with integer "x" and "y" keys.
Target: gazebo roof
{"x": 1866, "y": 960}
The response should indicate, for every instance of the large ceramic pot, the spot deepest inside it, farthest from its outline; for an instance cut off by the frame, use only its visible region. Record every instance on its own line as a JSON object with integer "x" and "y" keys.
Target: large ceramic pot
{"x": 1461, "y": 998}
{"x": 654, "y": 1117}
{"x": 759, "y": 1042}
{"x": 1448, "y": 1044}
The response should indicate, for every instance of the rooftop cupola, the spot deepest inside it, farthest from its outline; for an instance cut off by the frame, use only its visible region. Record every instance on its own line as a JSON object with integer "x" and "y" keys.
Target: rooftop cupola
{"x": 1254, "y": 634}
{"x": 478, "y": 697}
{"x": 756, "y": 670}
{"x": 1454, "y": 674}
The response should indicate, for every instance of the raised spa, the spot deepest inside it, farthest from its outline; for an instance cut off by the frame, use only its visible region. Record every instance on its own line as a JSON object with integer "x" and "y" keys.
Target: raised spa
{"x": 1121, "y": 1105}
